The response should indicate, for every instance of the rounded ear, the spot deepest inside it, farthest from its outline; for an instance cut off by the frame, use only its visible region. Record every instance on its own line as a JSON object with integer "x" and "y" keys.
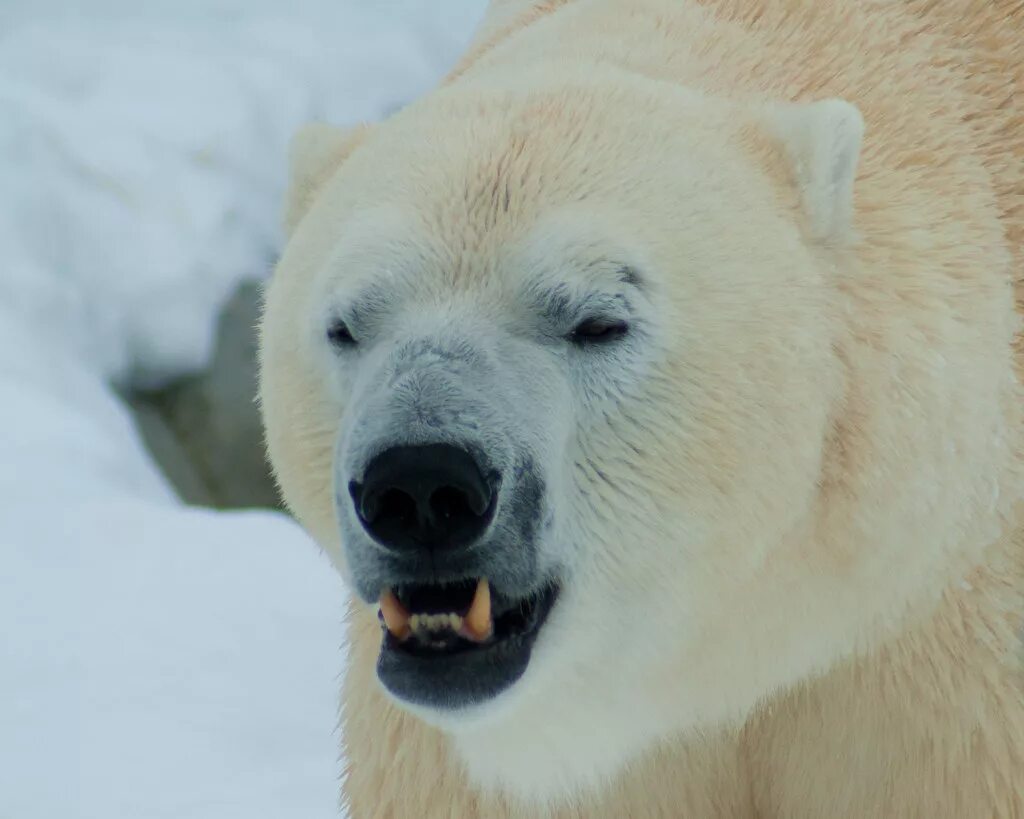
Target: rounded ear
{"x": 822, "y": 142}
{"x": 316, "y": 151}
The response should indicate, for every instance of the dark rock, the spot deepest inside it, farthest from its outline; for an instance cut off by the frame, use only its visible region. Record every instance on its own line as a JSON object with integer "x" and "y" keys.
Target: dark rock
{"x": 205, "y": 430}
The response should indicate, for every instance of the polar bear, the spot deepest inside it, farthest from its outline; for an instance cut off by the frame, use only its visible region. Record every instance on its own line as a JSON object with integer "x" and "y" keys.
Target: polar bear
{"x": 653, "y": 384}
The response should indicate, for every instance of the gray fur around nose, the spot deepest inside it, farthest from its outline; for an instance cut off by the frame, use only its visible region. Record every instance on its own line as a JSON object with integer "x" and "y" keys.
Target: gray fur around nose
{"x": 449, "y": 389}
{"x": 456, "y": 356}
{"x": 431, "y": 391}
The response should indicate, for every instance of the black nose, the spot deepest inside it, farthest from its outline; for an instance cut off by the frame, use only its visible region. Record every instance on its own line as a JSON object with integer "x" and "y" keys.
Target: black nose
{"x": 424, "y": 497}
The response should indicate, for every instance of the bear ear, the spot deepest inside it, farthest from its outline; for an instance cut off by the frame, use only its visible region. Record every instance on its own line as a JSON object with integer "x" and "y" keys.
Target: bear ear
{"x": 316, "y": 151}
{"x": 822, "y": 142}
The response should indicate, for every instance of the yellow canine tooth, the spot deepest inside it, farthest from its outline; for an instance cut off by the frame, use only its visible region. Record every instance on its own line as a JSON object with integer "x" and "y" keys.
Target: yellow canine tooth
{"x": 477, "y": 624}
{"x": 396, "y": 618}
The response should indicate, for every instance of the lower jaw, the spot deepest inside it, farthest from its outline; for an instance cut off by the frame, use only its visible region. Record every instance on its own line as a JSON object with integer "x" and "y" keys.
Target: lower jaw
{"x": 455, "y": 682}
{"x": 451, "y": 683}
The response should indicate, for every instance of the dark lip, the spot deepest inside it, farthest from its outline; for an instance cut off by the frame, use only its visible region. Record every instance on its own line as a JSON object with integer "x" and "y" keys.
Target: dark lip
{"x": 469, "y": 674}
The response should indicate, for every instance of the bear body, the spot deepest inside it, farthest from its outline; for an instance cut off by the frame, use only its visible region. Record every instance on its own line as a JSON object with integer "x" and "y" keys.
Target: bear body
{"x": 787, "y": 521}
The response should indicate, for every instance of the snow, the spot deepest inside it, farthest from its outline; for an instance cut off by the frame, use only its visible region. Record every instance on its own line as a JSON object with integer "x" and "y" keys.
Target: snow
{"x": 158, "y": 660}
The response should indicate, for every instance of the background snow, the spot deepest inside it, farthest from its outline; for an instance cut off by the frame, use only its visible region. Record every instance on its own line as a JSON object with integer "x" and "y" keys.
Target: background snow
{"x": 157, "y": 660}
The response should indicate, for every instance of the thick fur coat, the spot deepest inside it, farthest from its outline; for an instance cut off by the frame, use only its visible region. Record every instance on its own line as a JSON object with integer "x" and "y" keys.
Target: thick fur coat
{"x": 865, "y": 657}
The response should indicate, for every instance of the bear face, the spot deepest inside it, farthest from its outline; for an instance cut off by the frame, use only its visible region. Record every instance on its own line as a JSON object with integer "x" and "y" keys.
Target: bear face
{"x": 592, "y": 346}
{"x": 642, "y": 381}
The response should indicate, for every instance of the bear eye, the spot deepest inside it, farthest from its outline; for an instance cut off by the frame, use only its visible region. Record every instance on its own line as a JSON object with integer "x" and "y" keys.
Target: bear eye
{"x": 598, "y": 331}
{"x": 339, "y": 335}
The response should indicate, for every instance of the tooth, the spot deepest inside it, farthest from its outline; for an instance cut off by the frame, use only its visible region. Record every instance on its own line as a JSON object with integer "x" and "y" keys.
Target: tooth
{"x": 454, "y": 622}
{"x": 396, "y": 618}
{"x": 477, "y": 625}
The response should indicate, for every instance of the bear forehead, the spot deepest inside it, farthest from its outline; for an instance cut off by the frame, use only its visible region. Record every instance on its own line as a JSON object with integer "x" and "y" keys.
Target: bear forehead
{"x": 481, "y": 162}
{"x": 529, "y": 204}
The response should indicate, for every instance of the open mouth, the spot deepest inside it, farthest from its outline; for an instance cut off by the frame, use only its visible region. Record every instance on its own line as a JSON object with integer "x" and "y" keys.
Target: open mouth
{"x": 458, "y": 644}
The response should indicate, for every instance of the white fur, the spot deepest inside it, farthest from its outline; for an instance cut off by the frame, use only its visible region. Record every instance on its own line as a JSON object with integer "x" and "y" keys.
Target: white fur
{"x": 822, "y": 141}
{"x": 767, "y": 499}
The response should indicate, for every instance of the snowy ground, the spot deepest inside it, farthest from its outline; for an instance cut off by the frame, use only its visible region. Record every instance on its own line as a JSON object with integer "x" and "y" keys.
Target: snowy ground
{"x": 157, "y": 660}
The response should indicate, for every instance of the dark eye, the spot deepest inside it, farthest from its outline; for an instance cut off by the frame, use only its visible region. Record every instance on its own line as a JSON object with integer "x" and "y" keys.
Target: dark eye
{"x": 339, "y": 335}
{"x": 598, "y": 331}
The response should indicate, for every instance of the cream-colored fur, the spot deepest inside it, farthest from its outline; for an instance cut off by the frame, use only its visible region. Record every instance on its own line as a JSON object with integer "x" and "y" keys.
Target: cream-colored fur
{"x": 802, "y": 591}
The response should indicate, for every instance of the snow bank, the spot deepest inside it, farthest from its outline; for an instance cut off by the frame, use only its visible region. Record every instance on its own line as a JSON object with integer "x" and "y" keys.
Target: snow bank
{"x": 143, "y": 158}
{"x": 159, "y": 661}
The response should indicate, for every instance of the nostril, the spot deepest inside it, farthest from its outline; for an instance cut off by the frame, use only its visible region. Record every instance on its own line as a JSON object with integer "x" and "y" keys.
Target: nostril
{"x": 394, "y": 505}
{"x": 449, "y": 504}
{"x": 365, "y": 506}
